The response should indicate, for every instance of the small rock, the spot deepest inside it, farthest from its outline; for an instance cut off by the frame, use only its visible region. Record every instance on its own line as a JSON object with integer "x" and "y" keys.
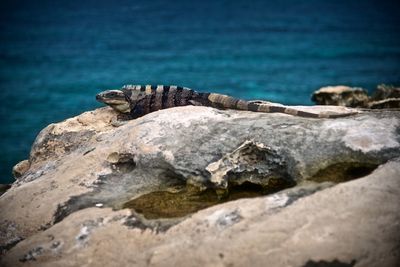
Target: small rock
{"x": 341, "y": 96}
{"x": 384, "y": 91}
{"x": 251, "y": 161}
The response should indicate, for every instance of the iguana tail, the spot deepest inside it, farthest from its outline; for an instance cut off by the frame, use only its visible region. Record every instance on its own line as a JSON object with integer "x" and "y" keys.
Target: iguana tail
{"x": 228, "y": 102}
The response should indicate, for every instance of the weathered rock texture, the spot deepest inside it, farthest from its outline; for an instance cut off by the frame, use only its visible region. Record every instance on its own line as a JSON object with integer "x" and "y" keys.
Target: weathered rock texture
{"x": 384, "y": 97}
{"x": 384, "y": 91}
{"x": 60, "y": 211}
{"x": 341, "y": 96}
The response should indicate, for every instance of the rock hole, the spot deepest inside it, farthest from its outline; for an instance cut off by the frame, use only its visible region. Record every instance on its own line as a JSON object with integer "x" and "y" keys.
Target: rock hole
{"x": 344, "y": 171}
{"x": 182, "y": 200}
{"x": 357, "y": 172}
{"x": 125, "y": 167}
{"x": 121, "y": 162}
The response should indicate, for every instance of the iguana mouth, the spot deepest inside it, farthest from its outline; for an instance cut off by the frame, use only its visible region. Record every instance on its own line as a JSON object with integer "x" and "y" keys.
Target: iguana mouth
{"x": 111, "y": 97}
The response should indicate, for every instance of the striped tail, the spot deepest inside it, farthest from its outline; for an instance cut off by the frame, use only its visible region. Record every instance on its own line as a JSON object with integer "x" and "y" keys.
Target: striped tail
{"x": 228, "y": 102}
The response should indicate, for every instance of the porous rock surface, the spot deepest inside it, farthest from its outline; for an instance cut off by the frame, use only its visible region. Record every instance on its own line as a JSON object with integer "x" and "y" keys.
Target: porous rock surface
{"x": 341, "y": 95}
{"x": 62, "y": 210}
{"x": 384, "y": 91}
{"x": 384, "y": 97}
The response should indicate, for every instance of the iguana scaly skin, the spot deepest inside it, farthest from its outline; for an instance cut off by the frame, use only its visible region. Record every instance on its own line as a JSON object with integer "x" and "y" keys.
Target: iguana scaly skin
{"x": 137, "y": 100}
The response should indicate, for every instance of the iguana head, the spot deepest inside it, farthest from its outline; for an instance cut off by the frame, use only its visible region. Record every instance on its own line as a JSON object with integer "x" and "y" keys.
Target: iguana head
{"x": 115, "y": 99}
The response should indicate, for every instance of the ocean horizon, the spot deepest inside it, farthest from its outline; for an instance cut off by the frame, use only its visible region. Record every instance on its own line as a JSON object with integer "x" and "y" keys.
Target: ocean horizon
{"x": 55, "y": 57}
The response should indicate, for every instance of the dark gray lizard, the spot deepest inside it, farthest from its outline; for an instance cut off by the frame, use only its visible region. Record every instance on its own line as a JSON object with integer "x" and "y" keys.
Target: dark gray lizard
{"x": 137, "y": 100}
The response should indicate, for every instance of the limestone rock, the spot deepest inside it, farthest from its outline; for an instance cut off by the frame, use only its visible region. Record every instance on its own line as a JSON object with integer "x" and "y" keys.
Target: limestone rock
{"x": 385, "y": 103}
{"x": 247, "y": 158}
{"x": 59, "y": 139}
{"x": 66, "y": 209}
{"x": 384, "y": 97}
{"x": 354, "y": 222}
{"x": 384, "y": 91}
{"x": 341, "y": 96}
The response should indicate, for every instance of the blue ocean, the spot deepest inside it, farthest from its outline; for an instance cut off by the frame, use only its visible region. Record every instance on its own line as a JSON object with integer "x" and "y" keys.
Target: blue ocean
{"x": 56, "y": 55}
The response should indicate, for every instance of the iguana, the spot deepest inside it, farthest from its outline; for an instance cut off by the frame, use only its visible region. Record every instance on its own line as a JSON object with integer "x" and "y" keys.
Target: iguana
{"x": 137, "y": 100}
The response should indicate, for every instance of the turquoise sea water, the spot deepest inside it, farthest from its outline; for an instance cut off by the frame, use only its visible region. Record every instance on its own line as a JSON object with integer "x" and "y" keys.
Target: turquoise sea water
{"x": 56, "y": 55}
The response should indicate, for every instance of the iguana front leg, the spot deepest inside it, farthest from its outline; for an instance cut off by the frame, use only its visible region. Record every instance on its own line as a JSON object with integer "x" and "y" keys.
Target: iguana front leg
{"x": 136, "y": 112}
{"x": 120, "y": 120}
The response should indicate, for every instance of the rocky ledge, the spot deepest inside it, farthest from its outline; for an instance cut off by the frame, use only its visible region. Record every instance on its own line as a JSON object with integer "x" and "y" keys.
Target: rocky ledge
{"x": 196, "y": 186}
